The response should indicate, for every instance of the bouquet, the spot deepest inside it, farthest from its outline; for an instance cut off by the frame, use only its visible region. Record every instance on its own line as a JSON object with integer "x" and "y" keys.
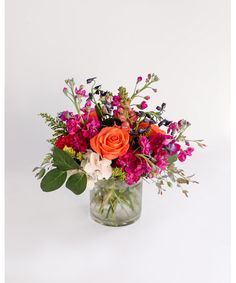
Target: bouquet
{"x": 113, "y": 138}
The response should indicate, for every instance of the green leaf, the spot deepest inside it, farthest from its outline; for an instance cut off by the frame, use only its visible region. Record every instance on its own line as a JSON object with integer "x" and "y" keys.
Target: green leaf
{"x": 41, "y": 173}
{"x": 182, "y": 181}
{"x": 99, "y": 111}
{"x": 172, "y": 158}
{"x": 63, "y": 161}
{"x": 35, "y": 168}
{"x": 77, "y": 183}
{"x": 53, "y": 180}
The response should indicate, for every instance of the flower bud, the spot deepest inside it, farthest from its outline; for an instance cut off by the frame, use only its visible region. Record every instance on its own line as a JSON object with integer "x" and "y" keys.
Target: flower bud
{"x": 139, "y": 79}
{"x": 65, "y": 90}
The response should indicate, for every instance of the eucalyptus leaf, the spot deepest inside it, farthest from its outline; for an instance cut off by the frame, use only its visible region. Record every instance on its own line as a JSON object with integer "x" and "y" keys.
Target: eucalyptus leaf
{"x": 77, "y": 183}
{"x": 63, "y": 161}
{"x": 53, "y": 180}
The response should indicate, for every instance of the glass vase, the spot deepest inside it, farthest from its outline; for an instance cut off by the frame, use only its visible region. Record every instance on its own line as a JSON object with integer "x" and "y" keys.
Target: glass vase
{"x": 115, "y": 203}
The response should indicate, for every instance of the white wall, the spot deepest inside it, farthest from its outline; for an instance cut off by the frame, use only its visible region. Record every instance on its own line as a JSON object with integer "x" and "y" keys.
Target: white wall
{"x": 49, "y": 236}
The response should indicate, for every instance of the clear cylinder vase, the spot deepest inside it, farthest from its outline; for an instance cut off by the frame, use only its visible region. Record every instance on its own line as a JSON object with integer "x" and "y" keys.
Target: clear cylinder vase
{"x": 115, "y": 203}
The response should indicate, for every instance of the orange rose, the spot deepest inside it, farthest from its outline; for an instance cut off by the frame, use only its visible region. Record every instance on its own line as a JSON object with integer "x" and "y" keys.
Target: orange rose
{"x": 153, "y": 130}
{"x": 93, "y": 114}
{"x": 111, "y": 142}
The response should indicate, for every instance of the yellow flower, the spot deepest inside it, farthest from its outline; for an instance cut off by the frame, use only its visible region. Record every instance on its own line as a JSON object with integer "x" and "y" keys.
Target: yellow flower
{"x": 73, "y": 153}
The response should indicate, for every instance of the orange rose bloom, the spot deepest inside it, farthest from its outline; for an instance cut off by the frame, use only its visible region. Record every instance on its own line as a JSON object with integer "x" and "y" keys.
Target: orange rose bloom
{"x": 111, "y": 142}
{"x": 153, "y": 130}
{"x": 93, "y": 114}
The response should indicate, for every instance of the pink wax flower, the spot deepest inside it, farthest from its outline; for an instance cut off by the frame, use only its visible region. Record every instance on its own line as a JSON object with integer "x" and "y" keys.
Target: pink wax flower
{"x": 147, "y": 97}
{"x": 182, "y": 156}
{"x": 143, "y": 105}
{"x": 65, "y": 90}
{"x": 189, "y": 151}
{"x": 80, "y": 92}
{"x": 139, "y": 79}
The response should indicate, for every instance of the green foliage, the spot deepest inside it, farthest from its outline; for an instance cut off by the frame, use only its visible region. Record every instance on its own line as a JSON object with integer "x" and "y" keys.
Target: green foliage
{"x": 58, "y": 127}
{"x": 40, "y": 173}
{"x": 41, "y": 170}
{"x": 118, "y": 173}
{"x": 122, "y": 92}
{"x": 63, "y": 161}
{"x": 53, "y": 180}
{"x": 77, "y": 183}
{"x": 99, "y": 111}
{"x": 172, "y": 158}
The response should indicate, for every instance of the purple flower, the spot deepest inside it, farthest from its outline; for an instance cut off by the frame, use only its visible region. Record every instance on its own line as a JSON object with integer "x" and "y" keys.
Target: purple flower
{"x": 144, "y": 144}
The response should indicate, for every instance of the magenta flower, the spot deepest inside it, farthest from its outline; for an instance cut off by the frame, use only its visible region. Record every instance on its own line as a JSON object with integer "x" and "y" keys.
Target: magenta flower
{"x": 91, "y": 128}
{"x": 65, "y": 90}
{"x": 133, "y": 167}
{"x": 173, "y": 147}
{"x": 189, "y": 151}
{"x": 144, "y": 144}
{"x": 143, "y": 105}
{"x": 182, "y": 156}
{"x": 80, "y": 92}
{"x": 65, "y": 115}
{"x": 172, "y": 127}
{"x": 73, "y": 124}
{"x": 116, "y": 100}
{"x": 139, "y": 79}
{"x": 87, "y": 107}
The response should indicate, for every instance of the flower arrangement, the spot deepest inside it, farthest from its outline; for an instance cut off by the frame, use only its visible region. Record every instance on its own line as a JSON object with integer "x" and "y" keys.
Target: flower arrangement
{"x": 114, "y": 137}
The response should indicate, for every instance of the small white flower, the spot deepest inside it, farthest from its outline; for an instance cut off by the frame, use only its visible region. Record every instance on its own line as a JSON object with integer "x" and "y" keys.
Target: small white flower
{"x": 96, "y": 168}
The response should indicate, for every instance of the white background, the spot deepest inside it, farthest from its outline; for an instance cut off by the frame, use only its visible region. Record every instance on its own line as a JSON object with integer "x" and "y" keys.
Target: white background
{"x": 50, "y": 237}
